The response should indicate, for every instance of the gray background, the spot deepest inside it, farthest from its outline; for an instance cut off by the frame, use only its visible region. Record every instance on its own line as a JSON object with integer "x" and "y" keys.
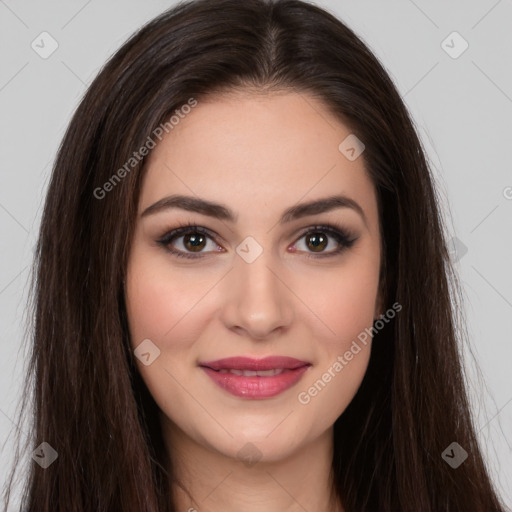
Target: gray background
{"x": 462, "y": 107}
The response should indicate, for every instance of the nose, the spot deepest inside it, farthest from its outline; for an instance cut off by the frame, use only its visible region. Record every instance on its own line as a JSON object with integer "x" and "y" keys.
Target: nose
{"x": 258, "y": 302}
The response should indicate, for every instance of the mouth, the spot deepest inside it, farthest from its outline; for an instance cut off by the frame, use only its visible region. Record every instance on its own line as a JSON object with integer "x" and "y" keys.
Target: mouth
{"x": 255, "y": 378}
{"x": 254, "y": 373}
{"x": 248, "y": 364}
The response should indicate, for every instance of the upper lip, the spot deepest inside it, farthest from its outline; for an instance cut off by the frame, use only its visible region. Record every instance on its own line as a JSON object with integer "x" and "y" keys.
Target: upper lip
{"x": 248, "y": 363}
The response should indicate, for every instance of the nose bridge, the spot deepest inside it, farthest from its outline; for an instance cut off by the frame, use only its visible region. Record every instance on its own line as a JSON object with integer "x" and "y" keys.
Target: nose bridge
{"x": 258, "y": 302}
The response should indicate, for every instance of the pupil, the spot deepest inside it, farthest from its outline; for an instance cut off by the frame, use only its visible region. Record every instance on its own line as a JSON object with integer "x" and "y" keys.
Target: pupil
{"x": 319, "y": 241}
{"x": 196, "y": 241}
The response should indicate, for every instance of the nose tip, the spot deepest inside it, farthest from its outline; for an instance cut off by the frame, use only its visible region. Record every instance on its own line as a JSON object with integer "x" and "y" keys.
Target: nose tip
{"x": 259, "y": 327}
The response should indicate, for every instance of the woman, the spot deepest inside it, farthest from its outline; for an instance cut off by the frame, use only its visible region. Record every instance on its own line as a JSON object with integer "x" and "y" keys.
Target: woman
{"x": 242, "y": 293}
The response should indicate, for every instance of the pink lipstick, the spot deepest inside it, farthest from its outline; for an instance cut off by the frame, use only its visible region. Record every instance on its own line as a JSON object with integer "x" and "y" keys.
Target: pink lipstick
{"x": 255, "y": 378}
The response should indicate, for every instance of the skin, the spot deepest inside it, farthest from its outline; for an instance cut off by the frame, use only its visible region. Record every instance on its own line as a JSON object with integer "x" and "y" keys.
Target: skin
{"x": 257, "y": 155}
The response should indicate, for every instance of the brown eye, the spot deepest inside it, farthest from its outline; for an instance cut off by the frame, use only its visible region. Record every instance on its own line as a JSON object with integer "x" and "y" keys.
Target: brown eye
{"x": 194, "y": 242}
{"x": 316, "y": 241}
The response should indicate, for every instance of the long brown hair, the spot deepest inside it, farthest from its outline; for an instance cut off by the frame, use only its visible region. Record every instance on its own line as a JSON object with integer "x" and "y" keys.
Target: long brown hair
{"x": 90, "y": 404}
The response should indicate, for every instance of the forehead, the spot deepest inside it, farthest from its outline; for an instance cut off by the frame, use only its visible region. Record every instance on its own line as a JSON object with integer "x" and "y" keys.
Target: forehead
{"x": 257, "y": 151}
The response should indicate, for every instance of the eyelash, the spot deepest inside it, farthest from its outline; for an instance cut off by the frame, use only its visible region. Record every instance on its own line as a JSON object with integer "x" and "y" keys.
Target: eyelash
{"x": 343, "y": 237}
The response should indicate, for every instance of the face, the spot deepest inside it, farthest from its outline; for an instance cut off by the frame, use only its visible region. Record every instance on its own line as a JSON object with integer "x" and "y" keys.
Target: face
{"x": 252, "y": 279}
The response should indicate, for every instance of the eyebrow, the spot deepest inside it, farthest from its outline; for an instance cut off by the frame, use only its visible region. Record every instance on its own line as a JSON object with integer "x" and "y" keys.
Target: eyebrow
{"x": 221, "y": 212}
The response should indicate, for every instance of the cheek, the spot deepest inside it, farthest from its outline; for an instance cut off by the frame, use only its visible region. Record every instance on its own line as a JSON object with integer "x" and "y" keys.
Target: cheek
{"x": 159, "y": 300}
{"x": 171, "y": 307}
{"x": 342, "y": 302}
{"x": 164, "y": 306}
{"x": 344, "y": 352}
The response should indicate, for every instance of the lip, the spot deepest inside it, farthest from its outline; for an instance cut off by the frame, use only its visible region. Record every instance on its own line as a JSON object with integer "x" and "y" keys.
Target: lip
{"x": 255, "y": 387}
{"x": 248, "y": 363}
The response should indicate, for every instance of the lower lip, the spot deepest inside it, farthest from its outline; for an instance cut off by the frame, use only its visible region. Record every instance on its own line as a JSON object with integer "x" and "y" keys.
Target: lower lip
{"x": 256, "y": 387}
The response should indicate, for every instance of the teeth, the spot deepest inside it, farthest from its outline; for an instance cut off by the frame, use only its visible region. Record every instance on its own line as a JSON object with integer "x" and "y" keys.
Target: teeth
{"x": 252, "y": 373}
